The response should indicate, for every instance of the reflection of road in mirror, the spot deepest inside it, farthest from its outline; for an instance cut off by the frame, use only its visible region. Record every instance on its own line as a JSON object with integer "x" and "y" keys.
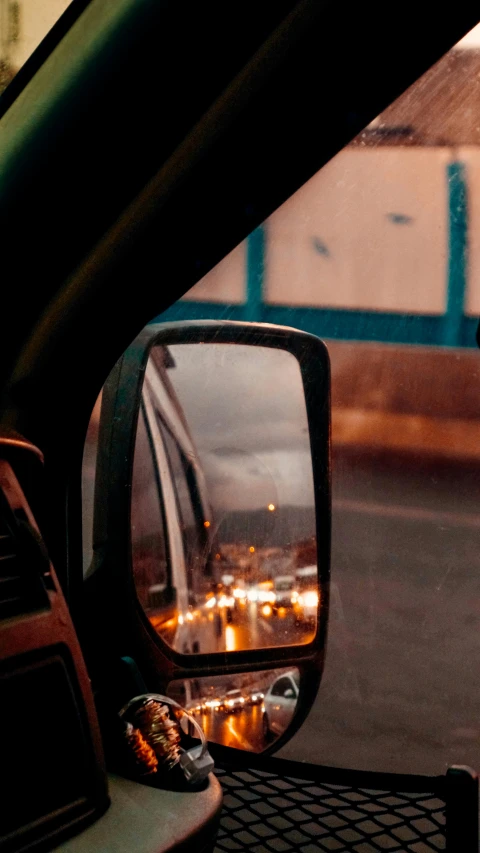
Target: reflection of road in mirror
{"x": 249, "y": 624}
{"x": 232, "y": 565}
{"x": 247, "y": 711}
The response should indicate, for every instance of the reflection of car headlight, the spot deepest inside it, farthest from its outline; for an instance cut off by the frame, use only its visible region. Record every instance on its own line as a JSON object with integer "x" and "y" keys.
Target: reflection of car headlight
{"x": 240, "y": 593}
{"x": 310, "y": 599}
{"x": 226, "y": 601}
{"x": 230, "y": 703}
{"x": 267, "y": 596}
{"x": 252, "y": 595}
{"x": 211, "y": 602}
{"x": 266, "y": 610}
{"x": 242, "y": 700}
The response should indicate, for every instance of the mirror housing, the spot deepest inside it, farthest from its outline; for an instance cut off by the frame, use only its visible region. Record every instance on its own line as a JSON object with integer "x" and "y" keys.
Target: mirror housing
{"x": 130, "y": 631}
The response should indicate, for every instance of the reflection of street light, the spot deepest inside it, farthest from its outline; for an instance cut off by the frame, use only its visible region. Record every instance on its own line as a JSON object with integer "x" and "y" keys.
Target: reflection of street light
{"x": 271, "y": 507}
{"x": 251, "y": 549}
{"x": 206, "y": 524}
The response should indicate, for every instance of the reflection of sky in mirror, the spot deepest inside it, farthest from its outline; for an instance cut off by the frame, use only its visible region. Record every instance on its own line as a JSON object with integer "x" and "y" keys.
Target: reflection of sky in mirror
{"x": 246, "y": 412}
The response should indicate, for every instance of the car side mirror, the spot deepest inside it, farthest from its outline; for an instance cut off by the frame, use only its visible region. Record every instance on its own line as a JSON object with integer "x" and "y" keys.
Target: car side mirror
{"x": 212, "y": 503}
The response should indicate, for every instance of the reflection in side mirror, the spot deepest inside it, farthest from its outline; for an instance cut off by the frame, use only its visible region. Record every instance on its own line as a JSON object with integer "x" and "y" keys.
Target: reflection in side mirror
{"x": 248, "y": 711}
{"x": 223, "y": 473}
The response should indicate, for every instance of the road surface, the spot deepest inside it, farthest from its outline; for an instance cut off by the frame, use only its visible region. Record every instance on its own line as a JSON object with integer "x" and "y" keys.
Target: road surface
{"x": 401, "y": 690}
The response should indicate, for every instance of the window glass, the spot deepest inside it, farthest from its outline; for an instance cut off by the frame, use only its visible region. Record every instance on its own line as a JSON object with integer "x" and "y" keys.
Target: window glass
{"x": 149, "y": 553}
{"x": 88, "y": 485}
{"x": 189, "y": 523}
{"x": 281, "y": 687}
{"x": 379, "y": 254}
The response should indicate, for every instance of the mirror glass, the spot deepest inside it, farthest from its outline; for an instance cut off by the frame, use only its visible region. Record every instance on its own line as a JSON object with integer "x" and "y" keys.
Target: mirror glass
{"x": 222, "y": 511}
{"x": 247, "y": 711}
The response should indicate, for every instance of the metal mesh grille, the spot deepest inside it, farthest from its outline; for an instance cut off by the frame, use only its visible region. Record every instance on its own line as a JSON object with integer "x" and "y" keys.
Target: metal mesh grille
{"x": 265, "y": 812}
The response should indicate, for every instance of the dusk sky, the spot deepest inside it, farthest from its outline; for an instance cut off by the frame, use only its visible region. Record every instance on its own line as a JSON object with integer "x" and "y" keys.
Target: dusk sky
{"x": 246, "y": 412}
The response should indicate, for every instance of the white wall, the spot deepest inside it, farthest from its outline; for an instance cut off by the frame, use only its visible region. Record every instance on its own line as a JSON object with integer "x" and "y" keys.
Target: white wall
{"x": 225, "y": 283}
{"x": 335, "y": 244}
{"x": 36, "y": 18}
{"x": 471, "y": 157}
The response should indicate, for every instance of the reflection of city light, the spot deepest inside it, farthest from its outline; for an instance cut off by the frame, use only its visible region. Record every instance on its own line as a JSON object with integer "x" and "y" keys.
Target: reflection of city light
{"x": 180, "y": 619}
{"x": 271, "y": 507}
{"x": 230, "y": 644}
{"x": 251, "y": 549}
{"x": 294, "y": 596}
{"x": 210, "y": 617}
{"x": 267, "y": 596}
{"x": 206, "y": 524}
{"x": 309, "y": 599}
{"x": 252, "y": 595}
{"x": 238, "y": 592}
{"x": 266, "y": 610}
{"x": 226, "y": 601}
{"x": 217, "y": 556}
{"x": 211, "y": 602}
{"x": 189, "y": 617}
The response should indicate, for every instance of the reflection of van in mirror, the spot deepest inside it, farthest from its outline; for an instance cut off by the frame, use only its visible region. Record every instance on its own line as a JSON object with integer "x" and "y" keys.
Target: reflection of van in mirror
{"x": 170, "y": 541}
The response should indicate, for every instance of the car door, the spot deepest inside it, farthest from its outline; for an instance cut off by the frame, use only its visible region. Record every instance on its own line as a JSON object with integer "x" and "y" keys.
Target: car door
{"x": 283, "y": 698}
{"x": 183, "y": 497}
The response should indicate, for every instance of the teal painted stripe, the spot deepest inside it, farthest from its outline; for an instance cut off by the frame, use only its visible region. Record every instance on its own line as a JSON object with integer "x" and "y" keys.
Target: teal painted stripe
{"x": 255, "y": 270}
{"x": 457, "y": 253}
{"x": 186, "y": 310}
{"x": 336, "y": 323}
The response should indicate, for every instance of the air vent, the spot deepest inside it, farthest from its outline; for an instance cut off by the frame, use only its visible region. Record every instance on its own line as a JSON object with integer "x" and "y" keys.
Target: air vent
{"x": 22, "y": 564}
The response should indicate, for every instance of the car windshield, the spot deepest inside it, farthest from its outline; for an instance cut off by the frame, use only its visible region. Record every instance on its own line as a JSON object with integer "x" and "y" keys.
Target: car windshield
{"x": 23, "y": 25}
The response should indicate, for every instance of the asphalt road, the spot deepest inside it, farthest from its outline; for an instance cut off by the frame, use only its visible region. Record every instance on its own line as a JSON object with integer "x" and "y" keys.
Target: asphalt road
{"x": 400, "y": 690}
{"x": 242, "y": 729}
